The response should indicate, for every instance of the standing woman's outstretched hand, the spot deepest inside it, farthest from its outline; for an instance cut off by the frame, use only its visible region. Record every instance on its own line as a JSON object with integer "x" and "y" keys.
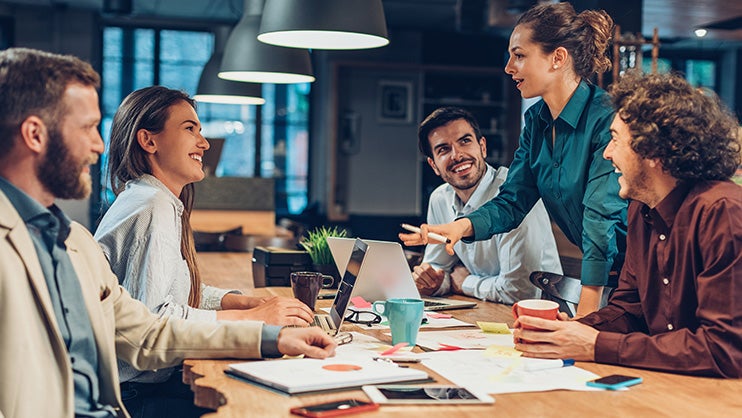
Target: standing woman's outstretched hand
{"x": 454, "y": 231}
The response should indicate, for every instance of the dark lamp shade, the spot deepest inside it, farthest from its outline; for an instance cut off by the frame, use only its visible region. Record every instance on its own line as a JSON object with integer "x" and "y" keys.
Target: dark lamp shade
{"x": 212, "y": 89}
{"x": 246, "y": 59}
{"x": 324, "y": 24}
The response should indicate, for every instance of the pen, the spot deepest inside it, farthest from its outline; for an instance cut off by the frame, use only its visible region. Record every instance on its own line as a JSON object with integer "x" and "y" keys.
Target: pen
{"x": 544, "y": 364}
{"x": 437, "y": 237}
{"x": 399, "y": 359}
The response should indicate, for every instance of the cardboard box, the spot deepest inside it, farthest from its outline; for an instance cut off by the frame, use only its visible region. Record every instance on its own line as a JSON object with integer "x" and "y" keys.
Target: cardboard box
{"x": 272, "y": 266}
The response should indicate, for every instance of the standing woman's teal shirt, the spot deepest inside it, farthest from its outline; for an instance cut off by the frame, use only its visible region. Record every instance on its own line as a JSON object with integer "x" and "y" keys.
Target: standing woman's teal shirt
{"x": 578, "y": 186}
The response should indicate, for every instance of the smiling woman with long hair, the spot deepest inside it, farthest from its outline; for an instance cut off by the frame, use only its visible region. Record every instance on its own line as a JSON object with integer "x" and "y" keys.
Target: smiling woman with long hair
{"x": 156, "y": 155}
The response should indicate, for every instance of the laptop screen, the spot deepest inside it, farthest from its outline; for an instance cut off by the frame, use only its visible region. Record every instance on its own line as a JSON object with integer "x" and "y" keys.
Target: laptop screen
{"x": 345, "y": 289}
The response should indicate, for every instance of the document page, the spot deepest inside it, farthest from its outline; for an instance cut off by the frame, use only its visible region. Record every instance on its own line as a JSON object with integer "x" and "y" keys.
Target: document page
{"x": 495, "y": 371}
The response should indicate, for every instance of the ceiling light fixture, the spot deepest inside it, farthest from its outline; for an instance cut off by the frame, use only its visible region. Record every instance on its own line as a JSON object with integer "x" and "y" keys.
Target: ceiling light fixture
{"x": 212, "y": 89}
{"x": 324, "y": 24}
{"x": 246, "y": 59}
{"x": 700, "y": 32}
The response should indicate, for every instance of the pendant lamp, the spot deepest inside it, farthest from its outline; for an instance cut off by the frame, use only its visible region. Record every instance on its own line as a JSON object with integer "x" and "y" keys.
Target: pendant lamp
{"x": 246, "y": 59}
{"x": 212, "y": 89}
{"x": 324, "y": 24}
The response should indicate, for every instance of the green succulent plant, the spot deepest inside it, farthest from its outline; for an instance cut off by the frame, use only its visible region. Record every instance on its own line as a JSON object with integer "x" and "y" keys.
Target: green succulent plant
{"x": 315, "y": 243}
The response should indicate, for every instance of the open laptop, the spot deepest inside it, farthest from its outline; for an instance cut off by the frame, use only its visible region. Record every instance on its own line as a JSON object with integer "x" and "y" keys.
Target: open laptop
{"x": 355, "y": 261}
{"x": 386, "y": 274}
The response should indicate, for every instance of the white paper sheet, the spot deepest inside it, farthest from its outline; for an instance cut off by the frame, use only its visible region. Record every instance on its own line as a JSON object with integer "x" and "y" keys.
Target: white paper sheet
{"x": 468, "y": 338}
{"x": 480, "y": 370}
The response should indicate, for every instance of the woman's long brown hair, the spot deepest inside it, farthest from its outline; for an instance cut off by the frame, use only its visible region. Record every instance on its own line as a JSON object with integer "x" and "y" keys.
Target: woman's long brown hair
{"x": 149, "y": 108}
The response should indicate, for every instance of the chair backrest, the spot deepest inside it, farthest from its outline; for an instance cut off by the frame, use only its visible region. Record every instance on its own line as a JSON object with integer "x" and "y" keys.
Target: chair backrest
{"x": 563, "y": 290}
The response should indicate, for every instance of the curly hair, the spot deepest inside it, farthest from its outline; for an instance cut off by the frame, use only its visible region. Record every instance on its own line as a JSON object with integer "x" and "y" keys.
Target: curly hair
{"x": 692, "y": 134}
{"x": 585, "y": 35}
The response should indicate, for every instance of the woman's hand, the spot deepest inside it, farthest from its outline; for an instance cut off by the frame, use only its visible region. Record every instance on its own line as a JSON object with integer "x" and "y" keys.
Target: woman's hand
{"x": 276, "y": 310}
{"x": 454, "y": 231}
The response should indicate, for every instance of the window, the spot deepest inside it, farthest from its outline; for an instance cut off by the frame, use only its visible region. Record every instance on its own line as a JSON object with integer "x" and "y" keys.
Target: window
{"x": 264, "y": 141}
{"x": 699, "y": 73}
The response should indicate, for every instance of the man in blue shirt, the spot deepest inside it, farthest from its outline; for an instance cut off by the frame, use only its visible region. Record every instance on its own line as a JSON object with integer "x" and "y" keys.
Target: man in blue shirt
{"x": 496, "y": 269}
{"x": 63, "y": 317}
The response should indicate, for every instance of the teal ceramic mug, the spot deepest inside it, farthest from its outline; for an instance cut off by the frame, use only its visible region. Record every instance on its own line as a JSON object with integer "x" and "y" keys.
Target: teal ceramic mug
{"x": 404, "y": 315}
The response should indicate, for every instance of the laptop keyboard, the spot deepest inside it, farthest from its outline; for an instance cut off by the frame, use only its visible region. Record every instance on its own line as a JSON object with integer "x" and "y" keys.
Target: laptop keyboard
{"x": 430, "y": 303}
{"x": 324, "y": 322}
{"x": 317, "y": 322}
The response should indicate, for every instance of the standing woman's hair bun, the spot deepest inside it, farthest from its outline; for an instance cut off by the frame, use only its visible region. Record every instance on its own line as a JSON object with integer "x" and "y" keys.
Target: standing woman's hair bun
{"x": 585, "y": 36}
{"x": 601, "y": 25}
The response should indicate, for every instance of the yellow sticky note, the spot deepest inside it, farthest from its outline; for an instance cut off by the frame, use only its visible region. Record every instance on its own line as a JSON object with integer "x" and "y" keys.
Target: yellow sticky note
{"x": 501, "y": 351}
{"x": 494, "y": 327}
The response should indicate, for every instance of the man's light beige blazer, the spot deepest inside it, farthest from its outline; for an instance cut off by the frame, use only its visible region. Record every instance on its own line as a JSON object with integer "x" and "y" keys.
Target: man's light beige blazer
{"x": 35, "y": 370}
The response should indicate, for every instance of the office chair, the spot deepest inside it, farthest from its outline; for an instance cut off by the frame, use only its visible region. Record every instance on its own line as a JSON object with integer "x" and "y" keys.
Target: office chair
{"x": 563, "y": 290}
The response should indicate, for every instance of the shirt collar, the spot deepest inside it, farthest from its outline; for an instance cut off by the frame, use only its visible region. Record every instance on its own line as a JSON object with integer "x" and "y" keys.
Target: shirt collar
{"x": 474, "y": 200}
{"x": 26, "y": 206}
{"x": 153, "y": 181}
{"x": 662, "y": 216}
{"x": 31, "y": 211}
{"x": 574, "y": 107}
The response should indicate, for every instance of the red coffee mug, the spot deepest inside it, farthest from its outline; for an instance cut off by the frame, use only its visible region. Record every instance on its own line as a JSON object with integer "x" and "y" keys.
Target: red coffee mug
{"x": 540, "y": 308}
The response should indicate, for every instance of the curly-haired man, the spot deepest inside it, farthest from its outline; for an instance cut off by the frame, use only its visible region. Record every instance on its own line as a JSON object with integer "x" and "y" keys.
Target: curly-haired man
{"x": 676, "y": 307}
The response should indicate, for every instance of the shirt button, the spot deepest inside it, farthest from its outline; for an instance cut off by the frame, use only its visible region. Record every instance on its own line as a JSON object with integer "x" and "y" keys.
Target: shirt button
{"x": 665, "y": 281}
{"x": 556, "y": 165}
{"x": 669, "y": 327}
{"x": 557, "y": 195}
{"x": 662, "y": 237}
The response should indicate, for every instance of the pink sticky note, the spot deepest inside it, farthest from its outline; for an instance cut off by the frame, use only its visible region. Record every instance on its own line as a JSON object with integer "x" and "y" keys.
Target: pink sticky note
{"x": 394, "y": 349}
{"x": 360, "y": 302}
{"x": 437, "y": 315}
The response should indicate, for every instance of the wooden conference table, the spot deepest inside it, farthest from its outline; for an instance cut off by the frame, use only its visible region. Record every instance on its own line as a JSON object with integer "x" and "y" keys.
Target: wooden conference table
{"x": 661, "y": 394}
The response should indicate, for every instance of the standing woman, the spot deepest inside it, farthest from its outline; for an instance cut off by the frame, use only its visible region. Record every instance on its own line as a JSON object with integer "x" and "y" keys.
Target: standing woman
{"x": 155, "y": 157}
{"x": 553, "y": 53}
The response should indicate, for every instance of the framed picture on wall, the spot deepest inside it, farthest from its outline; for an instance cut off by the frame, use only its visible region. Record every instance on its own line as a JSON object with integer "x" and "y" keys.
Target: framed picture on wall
{"x": 395, "y": 101}
{"x": 6, "y": 32}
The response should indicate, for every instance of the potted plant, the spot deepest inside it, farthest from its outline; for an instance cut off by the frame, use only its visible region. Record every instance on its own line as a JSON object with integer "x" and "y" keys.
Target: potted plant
{"x": 315, "y": 243}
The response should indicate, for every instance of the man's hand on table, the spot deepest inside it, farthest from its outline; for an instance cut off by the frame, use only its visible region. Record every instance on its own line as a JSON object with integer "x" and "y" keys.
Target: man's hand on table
{"x": 311, "y": 342}
{"x": 560, "y": 339}
{"x": 427, "y": 279}
{"x": 458, "y": 276}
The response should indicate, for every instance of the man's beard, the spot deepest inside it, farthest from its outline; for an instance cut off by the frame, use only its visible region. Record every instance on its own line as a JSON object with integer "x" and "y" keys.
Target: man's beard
{"x": 60, "y": 173}
{"x": 478, "y": 169}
